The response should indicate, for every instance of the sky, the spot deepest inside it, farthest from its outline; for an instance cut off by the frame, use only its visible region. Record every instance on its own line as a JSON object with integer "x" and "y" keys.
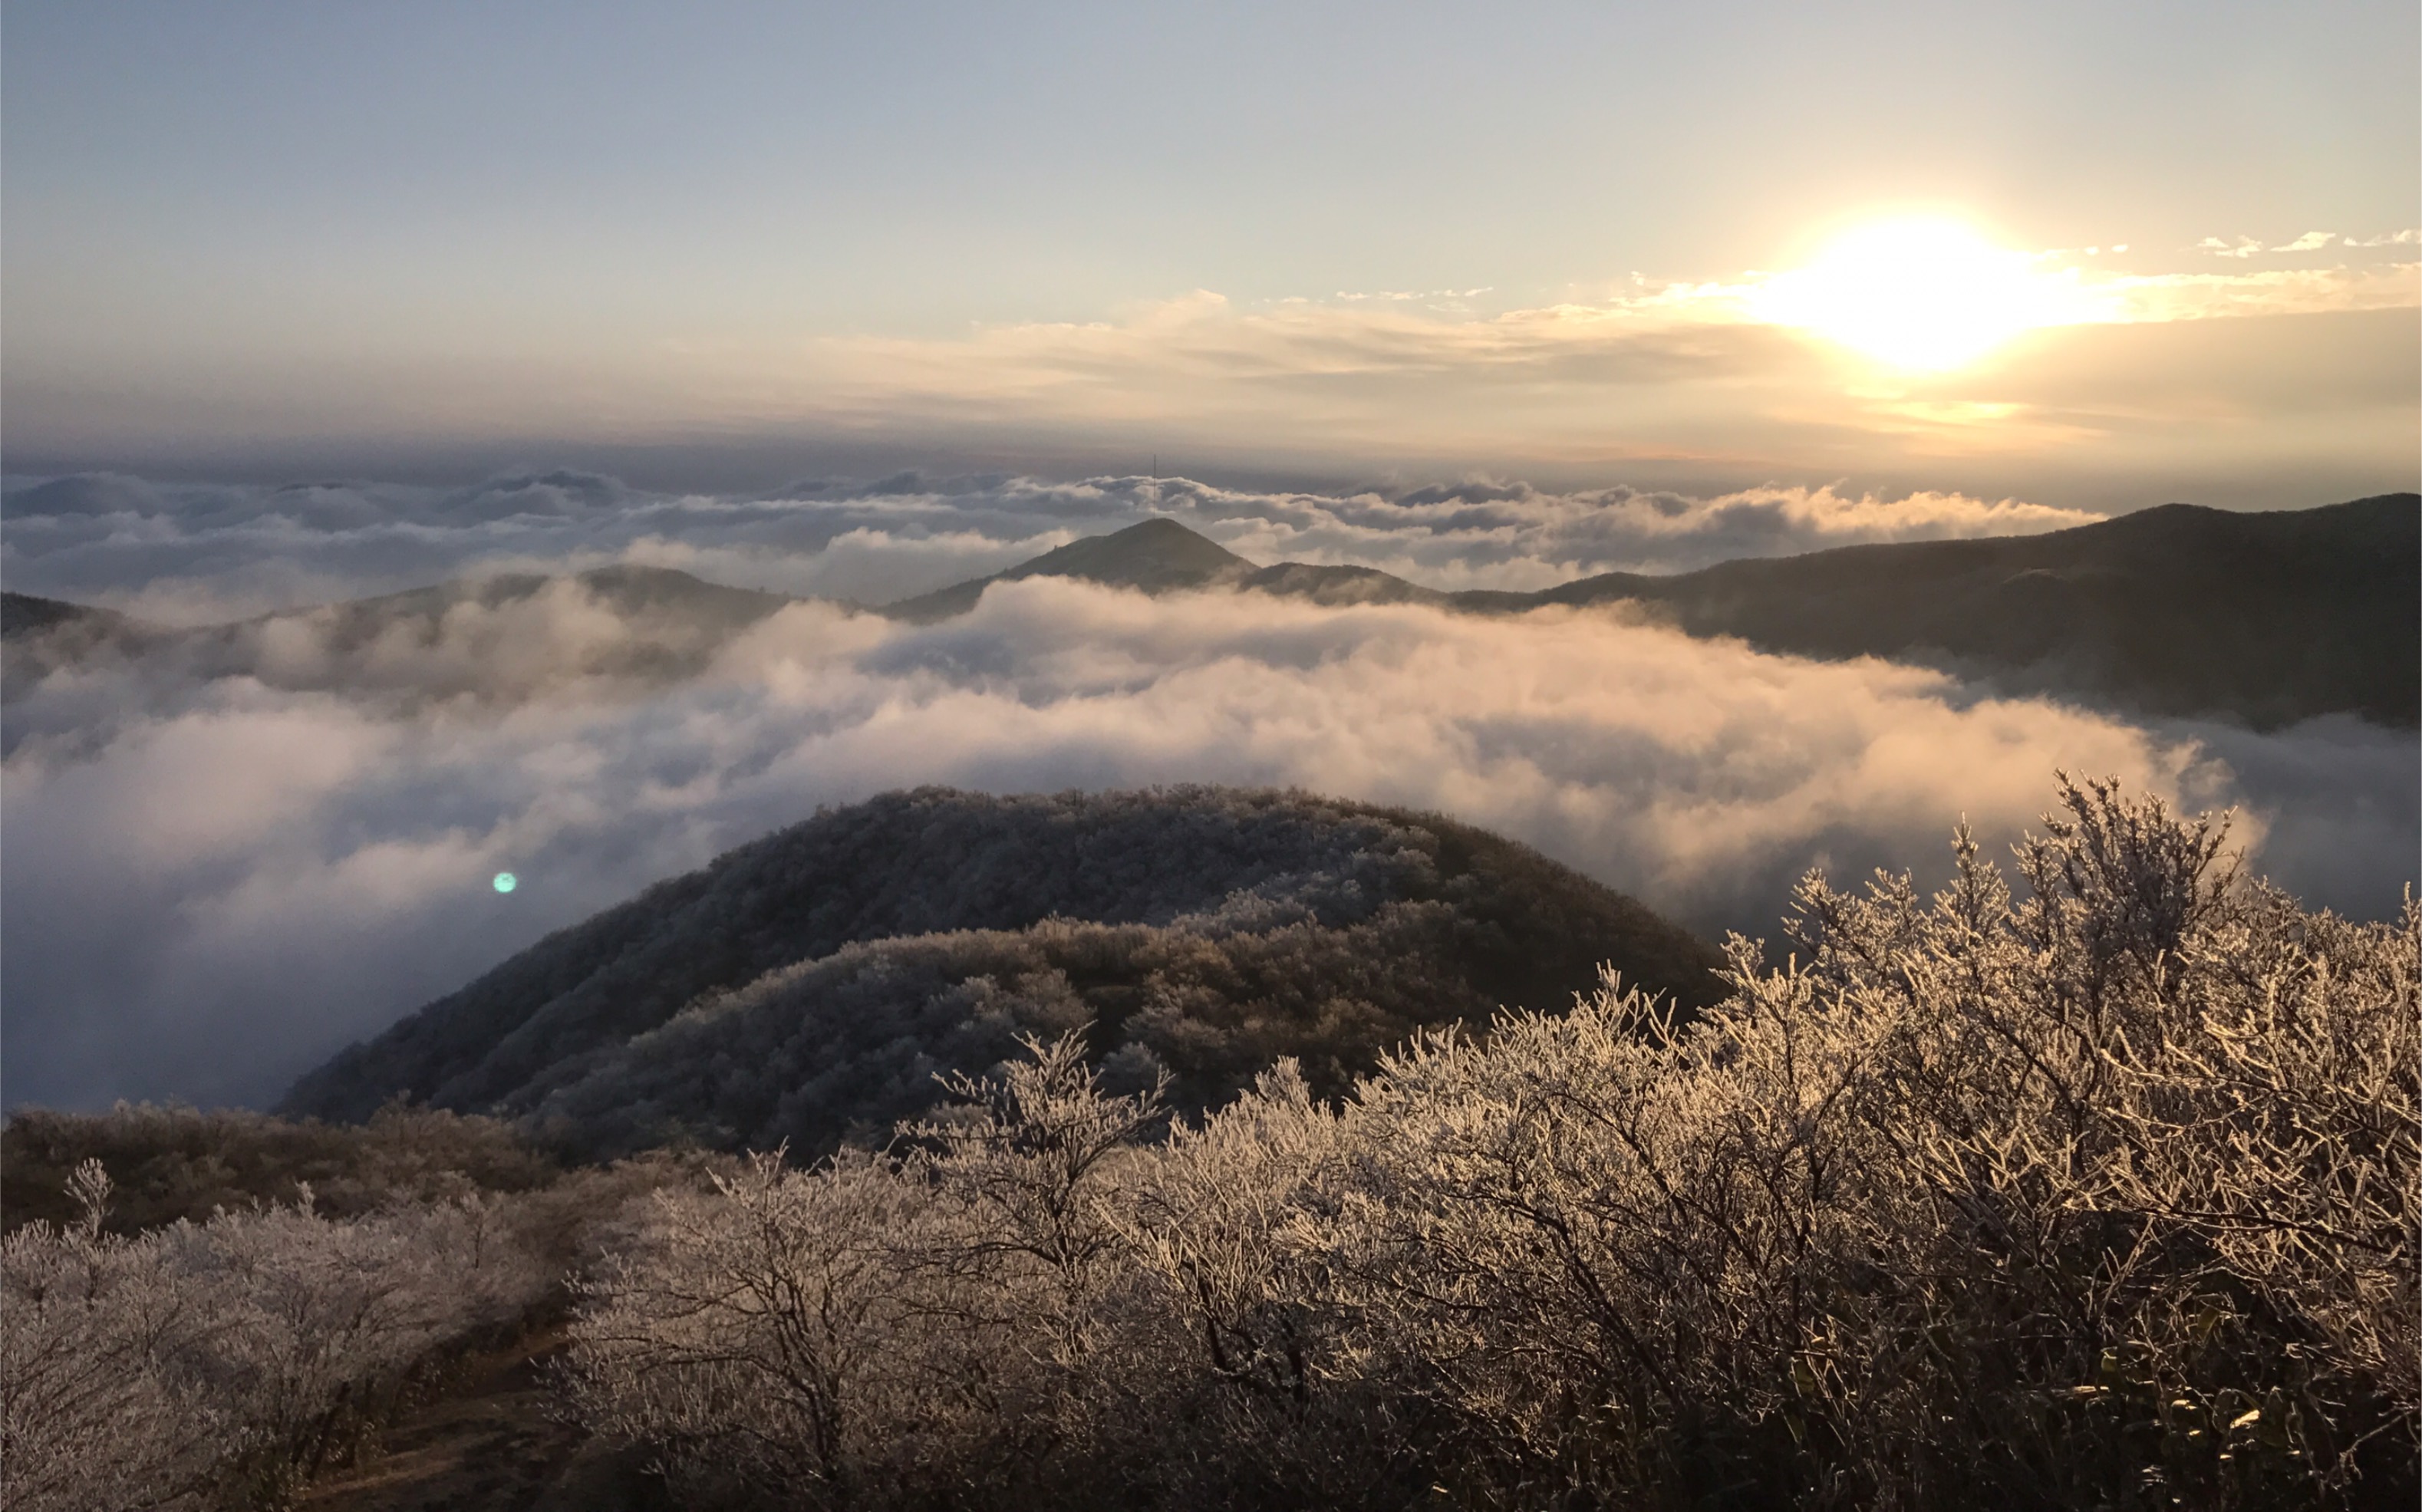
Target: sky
{"x": 728, "y": 245}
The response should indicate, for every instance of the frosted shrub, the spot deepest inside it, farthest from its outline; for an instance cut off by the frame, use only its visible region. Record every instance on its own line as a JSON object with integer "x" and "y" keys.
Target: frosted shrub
{"x": 2103, "y": 1195}
{"x": 767, "y": 1325}
{"x": 876, "y": 1323}
{"x": 188, "y": 1363}
{"x": 92, "y": 1414}
{"x": 1218, "y": 1228}
{"x": 1027, "y": 1171}
{"x": 1596, "y": 1237}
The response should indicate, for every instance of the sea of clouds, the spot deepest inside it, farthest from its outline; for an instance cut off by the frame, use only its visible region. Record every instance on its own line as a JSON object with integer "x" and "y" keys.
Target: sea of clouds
{"x": 187, "y": 553}
{"x": 210, "y": 884}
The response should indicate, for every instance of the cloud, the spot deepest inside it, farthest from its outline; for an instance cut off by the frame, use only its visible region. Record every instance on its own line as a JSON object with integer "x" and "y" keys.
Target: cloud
{"x": 1680, "y": 383}
{"x": 1686, "y": 378}
{"x": 208, "y": 897}
{"x": 192, "y": 554}
{"x": 2156, "y": 298}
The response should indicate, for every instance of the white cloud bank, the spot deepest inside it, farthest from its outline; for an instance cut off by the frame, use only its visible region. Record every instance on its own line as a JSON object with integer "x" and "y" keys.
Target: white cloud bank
{"x": 219, "y": 894}
{"x": 194, "y": 552}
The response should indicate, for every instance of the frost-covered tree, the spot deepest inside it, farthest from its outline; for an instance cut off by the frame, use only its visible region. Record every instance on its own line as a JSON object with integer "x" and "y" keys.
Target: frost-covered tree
{"x": 184, "y": 1366}
{"x": 2101, "y": 1192}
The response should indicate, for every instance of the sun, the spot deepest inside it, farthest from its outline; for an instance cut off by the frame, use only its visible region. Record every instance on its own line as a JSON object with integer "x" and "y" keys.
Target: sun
{"x": 1919, "y": 294}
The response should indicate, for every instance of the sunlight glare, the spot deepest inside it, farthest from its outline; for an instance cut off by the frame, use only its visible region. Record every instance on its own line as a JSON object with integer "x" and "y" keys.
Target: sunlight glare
{"x": 1919, "y": 294}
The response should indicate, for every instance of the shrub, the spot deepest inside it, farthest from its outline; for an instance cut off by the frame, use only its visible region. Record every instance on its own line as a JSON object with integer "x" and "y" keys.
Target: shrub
{"x": 2104, "y": 1196}
{"x": 199, "y": 1363}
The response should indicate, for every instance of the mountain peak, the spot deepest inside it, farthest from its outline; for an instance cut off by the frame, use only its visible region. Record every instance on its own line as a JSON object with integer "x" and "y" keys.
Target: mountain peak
{"x": 1156, "y": 556}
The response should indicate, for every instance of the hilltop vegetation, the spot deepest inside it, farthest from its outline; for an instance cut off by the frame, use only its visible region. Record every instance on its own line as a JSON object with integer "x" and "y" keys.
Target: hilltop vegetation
{"x": 810, "y": 986}
{"x": 2101, "y": 1196}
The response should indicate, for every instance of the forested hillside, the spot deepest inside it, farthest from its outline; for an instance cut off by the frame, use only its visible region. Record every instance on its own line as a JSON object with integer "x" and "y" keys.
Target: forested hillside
{"x": 812, "y": 984}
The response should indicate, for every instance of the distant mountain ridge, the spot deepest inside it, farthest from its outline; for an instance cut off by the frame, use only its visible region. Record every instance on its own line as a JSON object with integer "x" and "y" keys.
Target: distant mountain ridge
{"x": 668, "y": 625}
{"x": 811, "y": 984}
{"x": 2177, "y": 610}
{"x": 2270, "y": 618}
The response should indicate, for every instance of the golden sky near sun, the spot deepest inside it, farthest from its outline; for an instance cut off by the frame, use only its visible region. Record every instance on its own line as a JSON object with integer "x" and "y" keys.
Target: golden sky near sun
{"x": 1904, "y": 350}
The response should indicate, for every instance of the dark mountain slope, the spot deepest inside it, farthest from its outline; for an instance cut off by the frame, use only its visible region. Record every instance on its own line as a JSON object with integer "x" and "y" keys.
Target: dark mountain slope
{"x": 630, "y": 592}
{"x": 43, "y": 636}
{"x": 812, "y": 982}
{"x": 22, "y": 615}
{"x": 2271, "y": 616}
{"x": 1339, "y": 584}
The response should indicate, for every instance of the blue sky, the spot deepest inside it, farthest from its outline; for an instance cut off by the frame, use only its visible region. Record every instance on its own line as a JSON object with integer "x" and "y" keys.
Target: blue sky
{"x": 241, "y": 238}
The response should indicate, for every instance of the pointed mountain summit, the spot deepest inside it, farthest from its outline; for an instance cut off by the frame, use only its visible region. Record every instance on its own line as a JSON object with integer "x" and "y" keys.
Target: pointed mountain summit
{"x": 1156, "y": 557}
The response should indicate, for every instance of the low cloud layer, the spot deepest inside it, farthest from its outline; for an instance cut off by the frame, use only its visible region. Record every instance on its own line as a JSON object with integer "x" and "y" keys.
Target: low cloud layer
{"x": 205, "y": 898}
{"x": 194, "y": 552}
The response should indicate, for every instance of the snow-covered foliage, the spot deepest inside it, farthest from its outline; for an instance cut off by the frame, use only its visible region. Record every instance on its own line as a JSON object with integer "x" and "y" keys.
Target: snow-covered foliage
{"x": 2101, "y": 1196}
{"x": 205, "y": 1363}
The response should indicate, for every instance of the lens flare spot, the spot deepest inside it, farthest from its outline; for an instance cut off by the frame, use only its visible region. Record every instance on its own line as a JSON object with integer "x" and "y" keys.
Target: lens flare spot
{"x": 506, "y": 881}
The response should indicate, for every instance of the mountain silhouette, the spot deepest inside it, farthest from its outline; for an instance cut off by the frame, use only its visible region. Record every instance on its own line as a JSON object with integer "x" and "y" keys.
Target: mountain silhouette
{"x": 811, "y": 984}
{"x": 2270, "y": 618}
{"x": 1156, "y": 557}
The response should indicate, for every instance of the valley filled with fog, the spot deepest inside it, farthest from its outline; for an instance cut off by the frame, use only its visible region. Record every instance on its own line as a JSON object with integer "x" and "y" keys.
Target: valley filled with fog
{"x": 226, "y": 863}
